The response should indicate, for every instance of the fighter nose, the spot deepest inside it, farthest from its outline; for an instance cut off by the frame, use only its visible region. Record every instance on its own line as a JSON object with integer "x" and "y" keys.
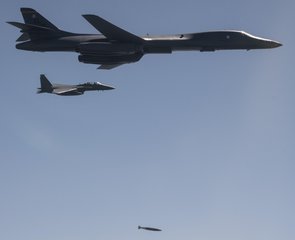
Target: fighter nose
{"x": 109, "y": 88}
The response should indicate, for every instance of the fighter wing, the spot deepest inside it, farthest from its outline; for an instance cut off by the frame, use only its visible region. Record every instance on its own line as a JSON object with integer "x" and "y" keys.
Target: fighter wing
{"x": 111, "y": 31}
{"x": 67, "y": 91}
{"x": 109, "y": 66}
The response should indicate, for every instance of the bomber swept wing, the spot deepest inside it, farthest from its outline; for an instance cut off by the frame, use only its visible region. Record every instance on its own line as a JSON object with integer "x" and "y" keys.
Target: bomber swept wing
{"x": 115, "y": 35}
{"x": 111, "y": 31}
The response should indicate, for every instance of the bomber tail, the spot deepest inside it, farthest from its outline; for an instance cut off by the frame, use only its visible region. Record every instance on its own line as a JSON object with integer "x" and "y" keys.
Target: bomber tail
{"x": 46, "y": 86}
{"x": 36, "y": 26}
{"x": 32, "y": 17}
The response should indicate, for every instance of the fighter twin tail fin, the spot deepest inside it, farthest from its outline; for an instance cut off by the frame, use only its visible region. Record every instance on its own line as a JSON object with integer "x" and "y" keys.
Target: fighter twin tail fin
{"x": 46, "y": 85}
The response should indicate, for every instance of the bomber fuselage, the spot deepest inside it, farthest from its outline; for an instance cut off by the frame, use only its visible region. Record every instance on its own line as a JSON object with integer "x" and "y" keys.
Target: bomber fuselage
{"x": 116, "y": 46}
{"x": 205, "y": 41}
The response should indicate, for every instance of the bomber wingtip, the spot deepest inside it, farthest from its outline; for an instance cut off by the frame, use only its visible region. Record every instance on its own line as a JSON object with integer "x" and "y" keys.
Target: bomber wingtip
{"x": 11, "y": 23}
{"x": 91, "y": 17}
{"x": 87, "y": 15}
{"x": 26, "y": 9}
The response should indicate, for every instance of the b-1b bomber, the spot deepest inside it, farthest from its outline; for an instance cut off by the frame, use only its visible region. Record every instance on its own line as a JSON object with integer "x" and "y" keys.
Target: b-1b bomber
{"x": 116, "y": 46}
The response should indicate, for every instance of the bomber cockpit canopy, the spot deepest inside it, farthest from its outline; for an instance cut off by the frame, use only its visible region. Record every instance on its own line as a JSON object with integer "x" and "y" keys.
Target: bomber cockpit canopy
{"x": 253, "y": 37}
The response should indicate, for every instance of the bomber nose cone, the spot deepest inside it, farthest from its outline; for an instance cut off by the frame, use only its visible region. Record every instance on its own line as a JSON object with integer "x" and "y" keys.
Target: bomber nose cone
{"x": 275, "y": 44}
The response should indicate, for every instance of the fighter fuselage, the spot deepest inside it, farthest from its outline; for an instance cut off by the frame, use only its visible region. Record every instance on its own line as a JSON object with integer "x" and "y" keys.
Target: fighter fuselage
{"x": 70, "y": 90}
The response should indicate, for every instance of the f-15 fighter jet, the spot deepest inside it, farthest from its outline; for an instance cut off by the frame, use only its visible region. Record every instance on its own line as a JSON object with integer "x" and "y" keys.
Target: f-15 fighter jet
{"x": 69, "y": 90}
{"x": 116, "y": 46}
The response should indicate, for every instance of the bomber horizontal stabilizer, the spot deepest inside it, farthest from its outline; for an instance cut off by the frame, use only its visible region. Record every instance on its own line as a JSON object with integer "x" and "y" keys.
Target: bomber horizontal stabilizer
{"x": 111, "y": 31}
{"x": 23, "y": 37}
{"x": 29, "y": 27}
{"x": 34, "y": 32}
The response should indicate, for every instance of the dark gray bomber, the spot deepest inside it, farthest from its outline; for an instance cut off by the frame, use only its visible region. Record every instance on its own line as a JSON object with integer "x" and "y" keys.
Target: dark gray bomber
{"x": 69, "y": 90}
{"x": 116, "y": 46}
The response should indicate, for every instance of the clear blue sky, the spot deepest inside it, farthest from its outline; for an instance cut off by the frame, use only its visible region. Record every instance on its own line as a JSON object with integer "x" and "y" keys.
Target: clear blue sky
{"x": 201, "y": 145}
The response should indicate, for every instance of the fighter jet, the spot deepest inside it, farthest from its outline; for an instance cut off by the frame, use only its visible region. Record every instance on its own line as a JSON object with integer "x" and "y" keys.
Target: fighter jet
{"x": 150, "y": 229}
{"x": 115, "y": 46}
{"x": 69, "y": 90}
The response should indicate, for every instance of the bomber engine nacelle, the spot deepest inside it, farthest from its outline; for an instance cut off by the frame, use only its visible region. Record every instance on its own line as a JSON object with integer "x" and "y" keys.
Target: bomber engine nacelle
{"x": 109, "y": 49}
{"x": 110, "y": 58}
